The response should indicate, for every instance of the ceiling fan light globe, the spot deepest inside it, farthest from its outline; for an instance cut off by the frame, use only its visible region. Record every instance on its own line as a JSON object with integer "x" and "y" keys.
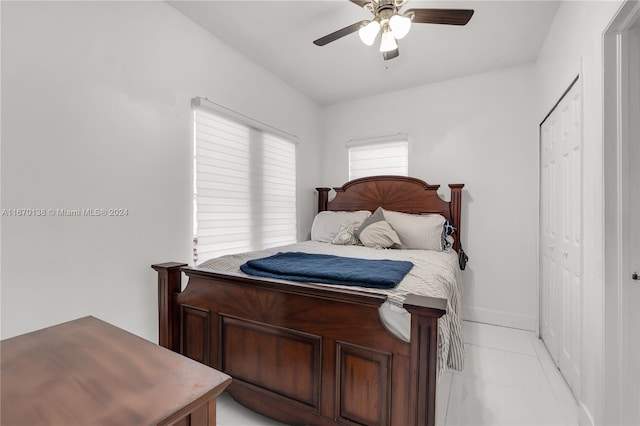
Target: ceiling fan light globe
{"x": 369, "y": 32}
{"x": 400, "y": 26}
{"x": 388, "y": 42}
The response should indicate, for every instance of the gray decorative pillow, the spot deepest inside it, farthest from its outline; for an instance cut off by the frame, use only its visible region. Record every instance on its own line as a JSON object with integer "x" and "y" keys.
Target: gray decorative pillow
{"x": 379, "y": 235}
{"x": 377, "y": 216}
{"x": 346, "y": 235}
{"x": 376, "y": 232}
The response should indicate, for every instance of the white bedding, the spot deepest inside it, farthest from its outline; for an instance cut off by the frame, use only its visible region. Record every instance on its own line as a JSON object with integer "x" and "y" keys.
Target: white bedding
{"x": 434, "y": 274}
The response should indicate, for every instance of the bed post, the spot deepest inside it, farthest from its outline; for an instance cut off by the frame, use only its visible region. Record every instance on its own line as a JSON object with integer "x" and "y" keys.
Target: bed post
{"x": 169, "y": 284}
{"x": 425, "y": 312}
{"x": 323, "y": 198}
{"x": 456, "y": 209}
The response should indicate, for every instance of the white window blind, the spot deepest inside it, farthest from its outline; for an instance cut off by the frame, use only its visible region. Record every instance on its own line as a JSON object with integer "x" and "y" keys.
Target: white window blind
{"x": 244, "y": 187}
{"x": 382, "y": 156}
{"x": 279, "y": 188}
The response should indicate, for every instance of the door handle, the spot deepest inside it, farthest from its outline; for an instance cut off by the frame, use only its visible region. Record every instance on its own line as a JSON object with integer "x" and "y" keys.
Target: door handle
{"x": 635, "y": 276}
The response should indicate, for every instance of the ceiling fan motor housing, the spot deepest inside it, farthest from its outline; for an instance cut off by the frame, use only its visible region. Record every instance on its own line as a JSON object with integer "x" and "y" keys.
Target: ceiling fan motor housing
{"x": 376, "y": 5}
{"x": 384, "y": 9}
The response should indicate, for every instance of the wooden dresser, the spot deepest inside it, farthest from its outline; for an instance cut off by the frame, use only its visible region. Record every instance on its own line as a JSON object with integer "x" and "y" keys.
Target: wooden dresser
{"x": 88, "y": 372}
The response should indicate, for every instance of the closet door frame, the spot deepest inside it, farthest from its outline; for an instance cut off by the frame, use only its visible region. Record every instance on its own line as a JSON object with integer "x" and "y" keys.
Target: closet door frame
{"x": 621, "y": 373}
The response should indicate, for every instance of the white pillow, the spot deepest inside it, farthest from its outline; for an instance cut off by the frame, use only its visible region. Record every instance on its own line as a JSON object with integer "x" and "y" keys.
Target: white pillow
{"x": 326, "y": 224}
{"x": 417, "y": 231}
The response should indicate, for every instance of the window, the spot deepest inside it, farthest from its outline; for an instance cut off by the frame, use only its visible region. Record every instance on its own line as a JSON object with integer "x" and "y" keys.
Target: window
{"x": 244, "y": 186}
{"x": 380, "y": 156}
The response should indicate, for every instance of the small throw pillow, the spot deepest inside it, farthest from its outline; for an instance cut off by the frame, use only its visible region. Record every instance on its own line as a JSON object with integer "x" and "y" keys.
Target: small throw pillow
{"x": 346, "y": 235}
{"x": 376, "y": 232}
{"x": 377, "y": 216}
{"x": 379, "y": 235}
{"x": 447, "y": 235}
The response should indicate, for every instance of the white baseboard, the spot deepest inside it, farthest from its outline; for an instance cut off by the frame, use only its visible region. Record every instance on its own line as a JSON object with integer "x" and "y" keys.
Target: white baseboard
{"x": 505, "y": 319}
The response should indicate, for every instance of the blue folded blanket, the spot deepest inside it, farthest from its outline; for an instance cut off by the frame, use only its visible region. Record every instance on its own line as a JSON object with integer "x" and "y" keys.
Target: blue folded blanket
{"x": 329, "y": 269}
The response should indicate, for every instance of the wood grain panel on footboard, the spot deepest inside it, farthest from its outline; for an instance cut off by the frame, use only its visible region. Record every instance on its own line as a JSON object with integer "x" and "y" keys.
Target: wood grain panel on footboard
{"x": 195, "y": 339}
{"x": 279, "y": 360}
{"x": 364, "y": 385}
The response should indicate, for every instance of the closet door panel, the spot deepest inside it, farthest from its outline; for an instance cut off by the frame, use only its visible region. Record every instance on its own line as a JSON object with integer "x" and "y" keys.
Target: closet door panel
{"x": 561, "y": 234}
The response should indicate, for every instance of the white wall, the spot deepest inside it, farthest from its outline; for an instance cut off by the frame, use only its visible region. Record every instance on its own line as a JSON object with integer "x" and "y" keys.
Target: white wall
{"x": 574, "y": 46}
{"x": 479, "y": 131}
{"x": 96, "y": 114}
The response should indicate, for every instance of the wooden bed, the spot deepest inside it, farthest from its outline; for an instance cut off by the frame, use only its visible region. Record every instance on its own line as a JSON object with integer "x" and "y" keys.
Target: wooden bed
{"x": 312, "y": 354}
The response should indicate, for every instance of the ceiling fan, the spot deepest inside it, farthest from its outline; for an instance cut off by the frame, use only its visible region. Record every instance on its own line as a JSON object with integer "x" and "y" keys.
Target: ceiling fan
{"x": 394, "y": 25}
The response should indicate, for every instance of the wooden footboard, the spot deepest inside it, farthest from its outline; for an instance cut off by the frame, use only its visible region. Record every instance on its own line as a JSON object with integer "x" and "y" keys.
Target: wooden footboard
{"x": 303, "y": 353}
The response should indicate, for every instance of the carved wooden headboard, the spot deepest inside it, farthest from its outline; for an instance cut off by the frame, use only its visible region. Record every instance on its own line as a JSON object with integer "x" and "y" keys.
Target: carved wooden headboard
{"x": 398, "y": 193}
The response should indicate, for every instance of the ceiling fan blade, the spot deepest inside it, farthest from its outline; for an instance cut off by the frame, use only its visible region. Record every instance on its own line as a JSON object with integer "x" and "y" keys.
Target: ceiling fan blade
{"x": 391, "y": 54}
{"x": 441, "y": 16}
{"x": 360, "y": 3}
{"x": 340, "y": 33}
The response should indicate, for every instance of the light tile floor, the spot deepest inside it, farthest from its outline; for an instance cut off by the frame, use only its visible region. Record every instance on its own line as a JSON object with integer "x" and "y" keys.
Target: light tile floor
{"x": 509, "y": 379}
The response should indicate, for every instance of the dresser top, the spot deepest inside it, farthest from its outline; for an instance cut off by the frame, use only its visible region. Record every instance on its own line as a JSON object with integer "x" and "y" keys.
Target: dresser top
{"x": 87, "y": 372}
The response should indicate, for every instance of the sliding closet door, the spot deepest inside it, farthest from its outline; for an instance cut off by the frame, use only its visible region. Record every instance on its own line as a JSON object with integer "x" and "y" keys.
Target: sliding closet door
{"x": 561, "y": 234}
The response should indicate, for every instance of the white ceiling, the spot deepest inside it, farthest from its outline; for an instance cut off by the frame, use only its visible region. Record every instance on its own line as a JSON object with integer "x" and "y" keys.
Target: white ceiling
{"x": 278, "y": 35}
